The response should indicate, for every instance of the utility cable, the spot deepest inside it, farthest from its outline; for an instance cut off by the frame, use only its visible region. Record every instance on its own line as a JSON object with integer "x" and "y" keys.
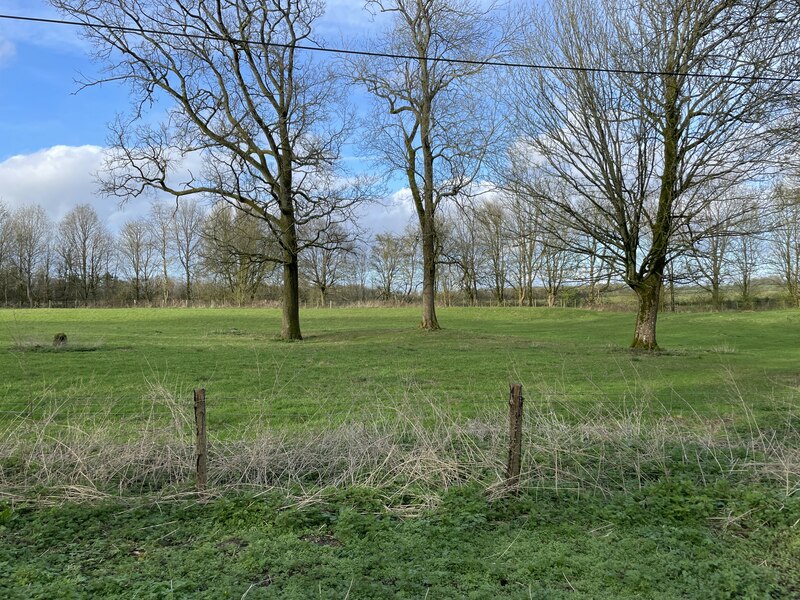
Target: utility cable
{"x": 371, "y": 54}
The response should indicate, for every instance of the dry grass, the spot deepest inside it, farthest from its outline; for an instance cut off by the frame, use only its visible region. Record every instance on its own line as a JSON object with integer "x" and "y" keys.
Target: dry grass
{"x": 412, "y": 452}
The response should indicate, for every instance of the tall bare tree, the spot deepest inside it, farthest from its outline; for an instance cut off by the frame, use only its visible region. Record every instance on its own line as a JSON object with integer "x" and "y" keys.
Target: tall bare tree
{"x": 5, "y": 250}
{"x": 84, "y": 245}
{"x": 460, "y": 252}
{"x": 785, "y": 240}
{"x": 262, "y": 116}
{"x": 524, "y": 231}
{"x": 30, "y": 231}
{"x": 492, "y": 223}
{"x": 160, "y": 221}
{"x": 386, "y": 257}
{"x": 652, "y": 104}
{"x": 231, "y": 251}
{"x": 187, "y": 229}
{"x": 137, "y": 252}
{"x": 430, "y": 120}
{"x": 324, "y": 264}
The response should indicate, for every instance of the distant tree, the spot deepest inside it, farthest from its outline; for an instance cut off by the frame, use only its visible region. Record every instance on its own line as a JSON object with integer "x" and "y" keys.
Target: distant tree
{"x": 410, "y": 262}
{"x": 5, "y": 250}
{"x": 387, "y": 253}
{"x": 137, "y": 252}
{"x": 84, "y": 245}
{"x": 357, "y": 268}
{"x": 747, "y": 250}
{"x": 524, "y": 231}
{"x": 459, "y": 246}
{"x": 711, "y": 259}
{"x": 324, "y": 263}
{"x": 557, "y": 265}
{"x": 492, "y": 232}
{"x": 784, "y": 240}
{"x": 30, "y": 231}
{"x": 161, "y": 222}
{"x": 233, "y": 250}
{"x": 187, "y": 227}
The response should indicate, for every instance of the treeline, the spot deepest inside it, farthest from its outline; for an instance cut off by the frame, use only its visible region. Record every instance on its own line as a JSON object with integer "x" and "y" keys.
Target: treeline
{"x": 498, "y": 251}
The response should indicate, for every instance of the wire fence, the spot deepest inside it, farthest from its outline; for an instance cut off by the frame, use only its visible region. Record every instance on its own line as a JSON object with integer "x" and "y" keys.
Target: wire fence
{"x": 415, "y": 447}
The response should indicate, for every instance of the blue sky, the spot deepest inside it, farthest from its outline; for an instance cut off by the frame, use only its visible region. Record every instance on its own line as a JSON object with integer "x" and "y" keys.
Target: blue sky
{"x": 52, "y": 134}
{"x": 39, "y": 107}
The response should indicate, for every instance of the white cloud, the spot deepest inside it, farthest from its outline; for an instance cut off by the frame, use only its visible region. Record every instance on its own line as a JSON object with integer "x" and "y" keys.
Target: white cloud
{"x": 391, "y": 216}
{"x": 58, "y": 179}
{"x": 61, "y": 177}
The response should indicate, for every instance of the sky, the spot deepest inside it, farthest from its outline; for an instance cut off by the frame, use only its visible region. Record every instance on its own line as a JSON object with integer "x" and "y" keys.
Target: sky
{"x": 52, "y": 133}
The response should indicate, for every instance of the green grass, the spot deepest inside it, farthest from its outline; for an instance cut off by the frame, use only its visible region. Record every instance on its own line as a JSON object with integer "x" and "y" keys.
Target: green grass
{"x": 353, "y": 357}
{"x": 617, "y": 501}
{"x": 670, "y": 540}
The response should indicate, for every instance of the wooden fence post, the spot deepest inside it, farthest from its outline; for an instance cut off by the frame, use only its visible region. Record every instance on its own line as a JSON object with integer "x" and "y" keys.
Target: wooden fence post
{"x": 201, "y": 440}
{"x": 514, "y": 434}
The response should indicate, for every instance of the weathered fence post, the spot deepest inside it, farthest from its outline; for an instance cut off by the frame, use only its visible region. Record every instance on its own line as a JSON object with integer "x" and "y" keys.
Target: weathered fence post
{"x": 201, "y": 440}
{"x": 514, "y": 434}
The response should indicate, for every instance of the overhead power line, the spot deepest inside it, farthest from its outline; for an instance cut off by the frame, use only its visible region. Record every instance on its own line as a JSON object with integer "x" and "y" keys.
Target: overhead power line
{"x": 344, "y": 51}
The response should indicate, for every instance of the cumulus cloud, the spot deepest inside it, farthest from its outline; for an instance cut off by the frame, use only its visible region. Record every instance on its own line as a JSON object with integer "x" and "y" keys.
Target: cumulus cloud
{"x": 390, "y": 216}
{"x": 61, "y": 177}
{"x": 58, "y": 179}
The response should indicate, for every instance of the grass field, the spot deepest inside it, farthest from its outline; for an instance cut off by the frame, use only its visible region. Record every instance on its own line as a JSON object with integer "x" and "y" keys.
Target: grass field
{"x": 367, "y": 461}
{"x": 352, "y": 357}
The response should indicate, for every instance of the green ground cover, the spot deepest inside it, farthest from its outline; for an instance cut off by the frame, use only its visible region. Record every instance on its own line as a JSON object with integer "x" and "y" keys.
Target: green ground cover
{"x": 665, "y": 475}
{"x": 669, "y": 540}
{"x": 353, "y": 357}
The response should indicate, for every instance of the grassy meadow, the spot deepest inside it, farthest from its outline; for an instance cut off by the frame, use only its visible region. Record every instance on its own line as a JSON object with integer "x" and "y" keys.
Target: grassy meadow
{"x": 367, "y": 461}
{"x": 352, "y": 358}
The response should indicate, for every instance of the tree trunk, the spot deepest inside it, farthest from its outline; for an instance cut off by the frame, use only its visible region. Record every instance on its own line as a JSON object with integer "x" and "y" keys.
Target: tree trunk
{"x": 188, "y": 284}
{"x": 716, "y": 297}
{"x": 429, "y": 320}
{"x": 291, "y": 300}
{"x": 648, "y": 293}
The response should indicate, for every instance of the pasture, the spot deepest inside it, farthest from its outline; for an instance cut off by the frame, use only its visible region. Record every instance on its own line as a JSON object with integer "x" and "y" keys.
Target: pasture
{"x": 351, "y": 358}
{"x": 367, "y": 460}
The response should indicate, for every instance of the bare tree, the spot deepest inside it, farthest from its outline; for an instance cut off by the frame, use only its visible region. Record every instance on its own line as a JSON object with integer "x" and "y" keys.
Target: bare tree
{"x": 524, "y": 231}
{"x": 747, "y": 254}
{"x": 557, "y": 265}
{"x": 386, "y": 260}
{"x": 187, "y": 229}
{"x": 457, "y": 237}
{"x": 710, "y": 260}
{"x": 160, "y": 221}
{"x": 137, "y": 251}
{"x": 5, "y": 249}
{"x": 657, "y": 108}
{"x": 30, "y": 240}
{"x": 83, "y": 245}
{"x": 231, "y": 251}
{"x": 430, "y": 121}
{"x": 593, "y": 270}
{"x": 263, "y": 117}
{"x": 785, "y": 240}
{"x": 324, "y": 263}
{"x": 492, "y": 230}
